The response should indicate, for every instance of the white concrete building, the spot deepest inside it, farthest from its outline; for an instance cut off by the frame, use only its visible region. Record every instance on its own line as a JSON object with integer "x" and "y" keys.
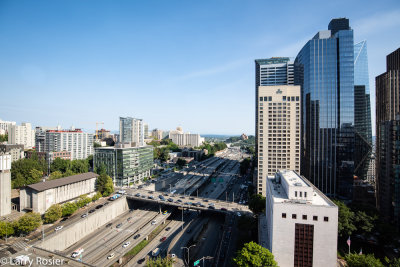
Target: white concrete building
{"x": 302, "y": 223}
{"x": 5, "y": 185}
{"x": 22, "y": 135}
{"x": 185, "y": 139}
{"x": 5, "y": 125}
{"x": 80, "y": 144}
{"x": 279, "y": 117}
{"x": 40, "y": 196}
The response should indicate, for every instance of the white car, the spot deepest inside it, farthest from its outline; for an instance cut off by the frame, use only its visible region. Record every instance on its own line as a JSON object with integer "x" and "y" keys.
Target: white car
{"x": 21, "y": 260}
{"x": 238, "y": 214}
{"x": 153, "y": 222}
{"x": 110, "y": 256}
{"x": 126, "y": 244}
{"x": 58, "y": 228}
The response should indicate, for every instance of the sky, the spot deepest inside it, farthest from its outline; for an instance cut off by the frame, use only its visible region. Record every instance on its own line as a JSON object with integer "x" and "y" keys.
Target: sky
{"x": 170, "y": 63}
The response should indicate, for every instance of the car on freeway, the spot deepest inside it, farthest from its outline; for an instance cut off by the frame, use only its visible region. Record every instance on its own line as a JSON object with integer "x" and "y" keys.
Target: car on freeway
{"x": 77, "y": 252}
{"x": 109, "y": 257}
{"x": 153, "y": 222}
{"x": 211, "y": 207}
{"x": 64, "y": 219}
{"x": 182, "y": 196}
{"x": 58, "y": 228}
{"x": 205, "y": 200}
{"x": 119, "y": 225}
{"x": 163, "y": 239}
{"x": 150, "y": 197}
{"x": 130, "y": 218}
{"x": 21, "y": 260}
{"x": 108, "y": 224}
{"x": 141, "y": 260}
{"x": 99, "y": 207}
{"x": 137, "y": 195}
{"x": 105, "y": 204}
{"x": 136, "y": 236}
{"x": 126, "y": 244}
{"x": 84, "y": 215}
{"x": 170, "y": 200}
{"x": 143, "y": 196}
{"x": 123, "y": 192}
{"x": 202, "y": 205}
{"x": 91, "y": 211}
{"x": 165, "y": 194}
{"x": 224, "y": 209}
{"x": 192, "y": 198}
{"x": 188, "y": 203}
{"x": 168, "y": 228}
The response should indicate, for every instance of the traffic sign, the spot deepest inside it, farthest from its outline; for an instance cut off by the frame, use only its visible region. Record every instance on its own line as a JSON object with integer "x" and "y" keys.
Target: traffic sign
{"x": 196, "y": 262}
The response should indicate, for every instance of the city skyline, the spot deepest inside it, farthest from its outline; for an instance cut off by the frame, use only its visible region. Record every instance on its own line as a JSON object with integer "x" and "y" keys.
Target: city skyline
{"x": 105, "y": 62}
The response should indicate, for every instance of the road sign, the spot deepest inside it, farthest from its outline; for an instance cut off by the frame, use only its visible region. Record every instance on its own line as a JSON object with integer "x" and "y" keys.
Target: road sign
{"x": 221, "y": 180}
{"x": 213, "y": 180}
{"x": 196, "y": 262}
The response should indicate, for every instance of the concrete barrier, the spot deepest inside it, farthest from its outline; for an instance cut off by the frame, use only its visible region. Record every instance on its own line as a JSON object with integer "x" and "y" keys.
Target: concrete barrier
{"x": 73, "y": 233}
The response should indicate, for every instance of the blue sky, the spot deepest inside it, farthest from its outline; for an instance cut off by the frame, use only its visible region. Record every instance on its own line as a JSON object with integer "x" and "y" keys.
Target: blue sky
{"x": 188, "y": 63}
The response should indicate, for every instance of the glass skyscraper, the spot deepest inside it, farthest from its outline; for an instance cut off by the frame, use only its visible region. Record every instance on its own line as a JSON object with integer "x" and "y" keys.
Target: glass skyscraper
{"x": 324, "y": 68}
{"x": 362, "y": 111}
{"x": 131, "y": 130}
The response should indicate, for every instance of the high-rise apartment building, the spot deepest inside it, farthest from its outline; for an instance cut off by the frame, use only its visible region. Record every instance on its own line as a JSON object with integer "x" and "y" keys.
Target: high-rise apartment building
{"x": 4, "y": 126}
{"x": 325, "y": 70}
{"x": 78, "y": 143}
{"x": 302, "y": 223}
{"x": 185, "y": 139}
{"x": 388, "y": 139}
{"x": 40, "y": 137}
{"x": 124, "y": 164}
{"x": 146, "y": 130}
{"x": 22, "y": 135}
{"x": 157, "y": 134}
{"x": 275, "y": 71}
{"x": 279, "y": 118}
{"x": 131, "y": 131}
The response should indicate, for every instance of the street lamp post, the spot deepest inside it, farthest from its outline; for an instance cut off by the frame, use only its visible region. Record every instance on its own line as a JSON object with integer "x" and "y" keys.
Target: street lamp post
{"x": 188, "y": 259}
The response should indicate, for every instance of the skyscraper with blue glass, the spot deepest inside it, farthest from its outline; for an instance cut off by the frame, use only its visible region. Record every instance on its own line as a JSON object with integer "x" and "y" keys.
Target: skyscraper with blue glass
{"x": 324, "y": 68}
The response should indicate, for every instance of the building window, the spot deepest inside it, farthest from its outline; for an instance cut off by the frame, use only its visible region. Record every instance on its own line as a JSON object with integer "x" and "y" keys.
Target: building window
{"x": 295, "y": 193}
{"x": 304, "y": 217}
{"x": 303, "y": 245}
{"x": 283, "y": 215}
{"x": 315, "y": 218}
{"x": 301, "y": 194}
{"x": 326, "y": 219}
{"x": 294, "y": 216}
{"x": 305, "y": 194}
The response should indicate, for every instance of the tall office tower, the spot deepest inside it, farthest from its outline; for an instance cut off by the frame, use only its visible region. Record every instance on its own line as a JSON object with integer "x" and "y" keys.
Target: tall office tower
{"x": 302, "y": 223}
{"x": 40, "y": 137}
{"x": 362, "y": 111}
{"x": 388, "y": 139}
{"x": 4, "y": 126}
{"x": 325, "y": 70}
{"x": 5, "y": 185}
{"x": 279, "y": 118}
{"x": 22, "y": 135}
{"x": 146, "y": 130}
{"x": 131, "y": 130}
{"x": 78, "y": 143}
{"x": 270, "y": 72}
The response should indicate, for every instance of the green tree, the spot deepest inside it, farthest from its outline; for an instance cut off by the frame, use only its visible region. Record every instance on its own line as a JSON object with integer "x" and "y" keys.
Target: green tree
{"x": 6, "y": 228}
{"x": 55, "y": 175}
{"x": 90, "y": 161}
{"x": 257, "y": 203}
{"x": 181, "y": 162}
{"x": 83, "y": 200}
{"x": 244, "y": 165}
{"x": 68, "y": 173}
{"x": 356, "y": 260}
{"x": 159, "y": 262}
{"x": 80, "y": 166}
{"x": 101, "y": 169}
{"x": 34, "y": 177}
{"x": 96, "y": 196}
{"x": 104, "y": 185}
{"x": 18, "y": 181}
{"x": 21, "y": 170}
{"x": 28, "y": 222}
{"x": 53, "y": 213}
{"x": 3, "y": 137}
{"x": 346, "y": 219}
{"x": 363, "y": 222}
{"x": 69, "y": 208}
{"x": 61, "y": 165}
{"x": 252, "y": 254}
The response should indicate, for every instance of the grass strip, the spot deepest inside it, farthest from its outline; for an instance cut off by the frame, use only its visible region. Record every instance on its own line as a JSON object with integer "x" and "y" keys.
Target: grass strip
{"x": 135, "y": 250}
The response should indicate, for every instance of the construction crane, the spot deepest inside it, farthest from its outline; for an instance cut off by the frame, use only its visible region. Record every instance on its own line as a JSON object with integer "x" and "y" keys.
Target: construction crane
{"x": 97, "y": 131}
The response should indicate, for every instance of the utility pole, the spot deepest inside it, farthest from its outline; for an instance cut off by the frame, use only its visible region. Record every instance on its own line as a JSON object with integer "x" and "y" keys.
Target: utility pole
{"x": 233, "y": 197}
{"x": 188, "y": 259}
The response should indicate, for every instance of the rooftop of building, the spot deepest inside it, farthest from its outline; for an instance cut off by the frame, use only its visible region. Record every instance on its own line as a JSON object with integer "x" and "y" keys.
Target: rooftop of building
{"x": 42, "y": 186}
{"x": 121, "y": 146}
{"x": 272, "y": 60}
{"x": 293, "y": 179}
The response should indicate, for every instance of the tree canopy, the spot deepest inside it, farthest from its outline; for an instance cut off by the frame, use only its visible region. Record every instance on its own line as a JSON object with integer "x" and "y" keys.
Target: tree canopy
{"x": 53, "y": 214}
{"x": 257, "y": 203}
{"x": 357, "y": 260}
{"x": 346, "y": 218}
{"x": 28, "y": 222}
{"x": 104, "y": 185}
{"x": 27, "y": 171}
{"x": 252, "y": 254}
{"x": 160, "y": 262}
{"x": 244, "y": 165}
{"x": 68, "y": 208}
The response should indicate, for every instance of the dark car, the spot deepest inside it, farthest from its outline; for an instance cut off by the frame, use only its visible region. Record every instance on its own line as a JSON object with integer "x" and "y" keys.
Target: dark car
{"x": 105, "y": 204}
{"x": 205, "y": 200}
{"x": 91, "y": 211}
{"x": 188, "y": 231}
{"x": 166, "y": 194}
{"x": 136, "y": 236}
{"x": 130, "y": 218}
{"x": 119, "y": 225}
{"x": 179, "y": 201}
{"x": 64, "y": 219}
{"x": 168, "y": 228}
{"x": 170, "y": 200}
{"x": 141, "y": 260}
{"x": 182, "y": 197}
{"x": 99, "y": 207}
{"x": 109, "y": 224}
{"x": 131, "y": 210}
{"x": 224, "y": 209}
{"x": 137, "y": 195}
{"x": 211, "y": 207}
{"x": 192, "y": 198}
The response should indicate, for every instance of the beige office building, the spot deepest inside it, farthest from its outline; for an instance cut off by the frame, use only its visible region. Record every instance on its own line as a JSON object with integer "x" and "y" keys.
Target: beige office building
{"x": 279, "y": 117}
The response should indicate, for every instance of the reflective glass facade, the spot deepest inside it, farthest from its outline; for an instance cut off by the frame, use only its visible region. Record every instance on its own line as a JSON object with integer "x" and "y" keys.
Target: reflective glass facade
{"x": 325, "y": 70}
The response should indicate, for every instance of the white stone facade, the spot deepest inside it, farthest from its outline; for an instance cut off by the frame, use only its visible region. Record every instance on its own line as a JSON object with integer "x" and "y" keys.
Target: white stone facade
{"x": 185, "y": 139}
{"x": 297, "y": 222}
